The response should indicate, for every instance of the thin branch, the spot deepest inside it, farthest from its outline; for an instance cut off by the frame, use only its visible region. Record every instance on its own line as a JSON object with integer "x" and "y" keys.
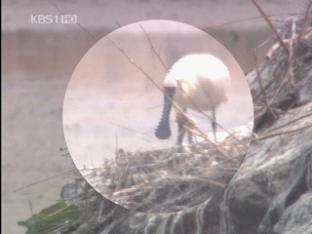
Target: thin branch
{"x": 44, "y": 180}
{"x": 78, "y": 24}
{"x": 246, "y": 19}
{"x": 305, "y": 20}
{"x": 153, "y": 48}
{"x": 291, "y": 122}
{"x": 291, "y": 53}
{"x": 30, "y": 207}
{"x": 263, "y": 91}
{"x": 116, "y": 143}
{"x": 273, "y": 28}
{"x": 144, "y": 136}
{"x": 260, "y": 138}
{"x": 282, "y": 83}
{"x": 268, "y": 85}
{"x": 101, "y": 209}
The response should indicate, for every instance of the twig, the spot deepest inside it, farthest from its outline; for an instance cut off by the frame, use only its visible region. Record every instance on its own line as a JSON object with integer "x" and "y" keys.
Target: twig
{"x": 281, "y": 85}
{"x": 153, "y": 48}
{"x": 78, "y": 24}
{"x": 283, "y": 133}
{"x": 99, "y": 217}
{"x": 144, "y": 136}
{"x": 267, "y": 19}
{"x": 291, "y": 53}
{"x": 204, "y": 136}
{"x": 44, "y": 180}
{"x": 30, "y": 207}
{"x": 263, "y": 91}
{"x": 291, "y": 122}
{"x": 116, "y": 143}
{"x": 245, "y": 19}
{"x": 305, "y": 20}
{"x": 268, "y": 85}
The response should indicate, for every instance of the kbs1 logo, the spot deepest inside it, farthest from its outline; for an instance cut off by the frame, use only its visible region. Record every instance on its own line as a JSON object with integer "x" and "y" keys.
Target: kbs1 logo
{"x": 53, "y": 19}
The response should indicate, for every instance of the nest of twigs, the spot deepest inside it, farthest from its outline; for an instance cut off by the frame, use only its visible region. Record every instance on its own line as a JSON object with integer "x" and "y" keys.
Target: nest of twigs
{"x": 170, "y": 179}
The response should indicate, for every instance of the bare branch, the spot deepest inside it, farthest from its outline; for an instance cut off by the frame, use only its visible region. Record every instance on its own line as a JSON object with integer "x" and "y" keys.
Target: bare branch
{"x": 291, "y": 122}
{"x": 44, "y": 180}
{"x": 305, "y": 20}
{"x": 260, "y": 138}
{"x": 273, "y": 28}
{"x": 263, "y": 91}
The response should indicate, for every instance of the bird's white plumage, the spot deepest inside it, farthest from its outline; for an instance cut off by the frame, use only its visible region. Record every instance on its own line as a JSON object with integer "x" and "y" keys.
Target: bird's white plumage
{"x": 201, "y": 81}
{"x": 192, "y": 65}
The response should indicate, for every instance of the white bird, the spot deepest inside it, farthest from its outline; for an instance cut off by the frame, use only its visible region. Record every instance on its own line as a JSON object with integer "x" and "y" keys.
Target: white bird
{"x": 198, "y": 82}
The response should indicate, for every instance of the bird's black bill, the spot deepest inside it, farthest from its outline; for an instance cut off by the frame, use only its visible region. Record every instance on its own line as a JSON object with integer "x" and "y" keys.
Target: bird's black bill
{"x": 163, "y": 130}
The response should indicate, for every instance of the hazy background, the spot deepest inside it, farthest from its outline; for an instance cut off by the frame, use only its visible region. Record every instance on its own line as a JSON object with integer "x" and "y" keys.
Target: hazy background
{"x": 38, "y": 61}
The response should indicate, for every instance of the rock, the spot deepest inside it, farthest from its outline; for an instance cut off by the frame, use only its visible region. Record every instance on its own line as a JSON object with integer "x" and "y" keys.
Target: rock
{"x": 272, "y": 176}
{"x": 71, "y": 191}
{"x": 270, "y": 193}
{"x": 297, "y": 218}
{"x": 276, "y": 173}
{"x": 283, "y": 82}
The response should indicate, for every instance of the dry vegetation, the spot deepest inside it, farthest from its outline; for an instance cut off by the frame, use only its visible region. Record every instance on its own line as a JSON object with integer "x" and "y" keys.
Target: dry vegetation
{"x": 285, "y": 80}
{"x": 169, "y": 179}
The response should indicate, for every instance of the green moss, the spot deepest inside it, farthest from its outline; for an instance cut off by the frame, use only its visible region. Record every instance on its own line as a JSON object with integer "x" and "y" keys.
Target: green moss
{"x": 50, "y": 218}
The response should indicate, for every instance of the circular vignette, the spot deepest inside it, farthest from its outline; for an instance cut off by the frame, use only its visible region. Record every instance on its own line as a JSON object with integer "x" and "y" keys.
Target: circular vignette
{"x": 113, "y": 104}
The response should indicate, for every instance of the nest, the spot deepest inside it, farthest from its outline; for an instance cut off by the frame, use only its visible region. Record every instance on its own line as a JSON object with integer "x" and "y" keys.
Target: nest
{"x": 170, "y": 179}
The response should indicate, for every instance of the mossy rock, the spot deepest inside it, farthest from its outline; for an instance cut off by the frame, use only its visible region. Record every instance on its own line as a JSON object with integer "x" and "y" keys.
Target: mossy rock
{"x": 50, "y": 218}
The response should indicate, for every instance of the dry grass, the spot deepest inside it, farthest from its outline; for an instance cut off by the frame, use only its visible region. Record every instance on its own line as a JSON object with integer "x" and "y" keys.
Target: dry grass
{"x": 170, "y": 179}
